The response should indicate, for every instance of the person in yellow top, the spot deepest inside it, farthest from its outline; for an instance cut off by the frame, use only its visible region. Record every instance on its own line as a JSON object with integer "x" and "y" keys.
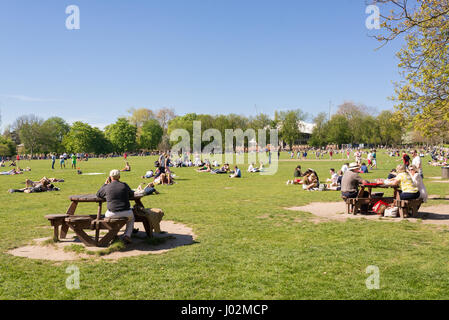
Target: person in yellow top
{"x": 405, "y": 182}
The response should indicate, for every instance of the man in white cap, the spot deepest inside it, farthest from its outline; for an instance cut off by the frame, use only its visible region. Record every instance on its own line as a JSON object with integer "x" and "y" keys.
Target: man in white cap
{"x": 117, "y": 195}
{"x": 351, "y": 181}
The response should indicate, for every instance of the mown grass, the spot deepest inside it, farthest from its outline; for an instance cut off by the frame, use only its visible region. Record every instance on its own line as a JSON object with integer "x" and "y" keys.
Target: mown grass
{"x": 247, "y": 246}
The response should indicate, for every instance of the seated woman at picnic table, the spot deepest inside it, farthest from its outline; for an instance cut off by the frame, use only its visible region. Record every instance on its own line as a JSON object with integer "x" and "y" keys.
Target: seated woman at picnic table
{"x": 117, "y": 195}
{"x": 311, "y": 180}
{"x": 418, "y": 181}
{"x": 404, "y": 180}
{"x": 127, "y": 168}
{"x": 351, "y": 181}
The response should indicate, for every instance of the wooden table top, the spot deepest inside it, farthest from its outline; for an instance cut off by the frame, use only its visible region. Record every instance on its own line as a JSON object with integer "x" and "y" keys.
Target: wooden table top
{"x": 93, "y": 198}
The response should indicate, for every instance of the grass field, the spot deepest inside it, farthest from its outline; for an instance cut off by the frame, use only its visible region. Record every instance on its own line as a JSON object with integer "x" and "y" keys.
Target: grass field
{"x": 238, "y": 254}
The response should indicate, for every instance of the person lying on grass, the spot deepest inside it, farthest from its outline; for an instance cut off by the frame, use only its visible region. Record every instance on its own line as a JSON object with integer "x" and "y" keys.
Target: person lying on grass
{"x": 44, "y": 181}
{"x": 41, "y": 187}
{"x": 117, "y": 195}
{"x": 222, "y": 170}
{"x": 206, "y": 168}
{"x": 145, "y": 190}
{"x": 148, "y": 175}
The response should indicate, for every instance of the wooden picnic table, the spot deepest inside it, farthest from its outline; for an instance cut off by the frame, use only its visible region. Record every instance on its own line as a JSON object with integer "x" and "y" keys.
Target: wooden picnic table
{"x": 355, "y": 204}
{"x": 78, "y": 223}
{"x": 372, "y": 186}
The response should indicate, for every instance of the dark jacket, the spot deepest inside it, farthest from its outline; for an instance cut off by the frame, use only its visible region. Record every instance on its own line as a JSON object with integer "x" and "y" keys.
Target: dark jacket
{"x": 117, "y": 196}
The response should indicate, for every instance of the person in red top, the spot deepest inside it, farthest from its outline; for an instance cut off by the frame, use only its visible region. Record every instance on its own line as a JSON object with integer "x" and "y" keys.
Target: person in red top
{"x": 406, "y": 159}
{"x": 125, "y": 155}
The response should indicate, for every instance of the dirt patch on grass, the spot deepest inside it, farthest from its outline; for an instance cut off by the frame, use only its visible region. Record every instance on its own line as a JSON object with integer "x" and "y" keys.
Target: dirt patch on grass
{"x": 72, "y": 249}
{"x": 441, "y": 181}
{"x": 336, "y": 211}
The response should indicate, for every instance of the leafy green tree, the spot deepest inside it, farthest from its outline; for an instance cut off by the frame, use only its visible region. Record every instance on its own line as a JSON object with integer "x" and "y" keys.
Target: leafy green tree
{"x": 319, "y": 134}
{"x": 7, "y": 147}
{"x": 150, "y": 135}
{"x": 338, "y": 130}
{"x": 423, "y": 95}
{"x": 53, "y": 131}
{"x": 29, "y": 128}
{"x": 83, "y": 138}
{"x": 290, "y": 122}
{"x": 122, "y": 135}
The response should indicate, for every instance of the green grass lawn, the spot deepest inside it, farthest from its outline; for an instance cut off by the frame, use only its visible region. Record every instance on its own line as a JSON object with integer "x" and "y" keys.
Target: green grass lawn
{"x": 238, "y": 254}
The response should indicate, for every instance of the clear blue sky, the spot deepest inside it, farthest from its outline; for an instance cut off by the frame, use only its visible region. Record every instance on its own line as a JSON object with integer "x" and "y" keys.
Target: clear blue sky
{"x": 203, "y": 56}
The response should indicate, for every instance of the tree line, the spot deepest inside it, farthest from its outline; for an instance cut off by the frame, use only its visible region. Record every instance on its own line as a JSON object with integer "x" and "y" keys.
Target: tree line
{"x": 145, "y": 129}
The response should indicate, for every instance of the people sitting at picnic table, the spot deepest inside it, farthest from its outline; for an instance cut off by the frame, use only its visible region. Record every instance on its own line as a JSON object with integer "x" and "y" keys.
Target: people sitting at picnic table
{"x": 311, "y": 180}
{"x": 236, "y": 173}
{"x": 127, "y": 167}
{"x": 351, "y": 181}
{"x": 418, "y": 181}
{"x": 405, "y": 182}
{"x": 117, "y": 195}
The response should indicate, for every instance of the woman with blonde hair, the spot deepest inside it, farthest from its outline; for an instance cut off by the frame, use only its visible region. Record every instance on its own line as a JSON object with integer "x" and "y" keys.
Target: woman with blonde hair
{"x": 418, "y": 181}
{"x": 404, "y": 180}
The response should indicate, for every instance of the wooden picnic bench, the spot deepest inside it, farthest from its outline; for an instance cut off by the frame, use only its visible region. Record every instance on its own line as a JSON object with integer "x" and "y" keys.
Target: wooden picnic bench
{"x": 79, "y": 223}
{"x": 408, "y": 208}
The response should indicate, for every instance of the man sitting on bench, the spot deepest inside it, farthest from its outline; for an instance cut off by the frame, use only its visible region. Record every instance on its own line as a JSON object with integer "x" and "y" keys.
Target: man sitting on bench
{"x": 117, "y": 195}
{"x": 351, "y": 181}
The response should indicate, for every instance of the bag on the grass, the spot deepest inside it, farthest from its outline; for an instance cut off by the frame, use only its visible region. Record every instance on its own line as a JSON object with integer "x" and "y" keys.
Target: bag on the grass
{"x": 322, "y": 187}
{"x": 380, "y": 207}
{"x": 392, "y": 212}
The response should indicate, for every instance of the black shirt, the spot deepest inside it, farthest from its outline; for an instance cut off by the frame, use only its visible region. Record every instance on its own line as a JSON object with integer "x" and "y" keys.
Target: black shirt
{"x": 117, "y": 196}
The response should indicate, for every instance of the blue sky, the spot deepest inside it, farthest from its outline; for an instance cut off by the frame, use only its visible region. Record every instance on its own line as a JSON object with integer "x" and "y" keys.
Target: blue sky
{"x": 203, "y": 56}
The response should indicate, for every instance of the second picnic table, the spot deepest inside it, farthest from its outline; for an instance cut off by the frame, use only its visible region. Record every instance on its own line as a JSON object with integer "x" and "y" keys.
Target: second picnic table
{"x": 79, "y": 223}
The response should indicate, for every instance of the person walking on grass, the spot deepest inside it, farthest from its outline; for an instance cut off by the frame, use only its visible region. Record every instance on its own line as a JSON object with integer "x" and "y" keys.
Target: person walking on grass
{"x": 117, "y": 195}
{"x": 53, "y": 160}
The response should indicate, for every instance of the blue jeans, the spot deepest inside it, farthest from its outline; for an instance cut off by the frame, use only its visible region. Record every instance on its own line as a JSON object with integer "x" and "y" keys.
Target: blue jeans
{"x": 409, "y": 196}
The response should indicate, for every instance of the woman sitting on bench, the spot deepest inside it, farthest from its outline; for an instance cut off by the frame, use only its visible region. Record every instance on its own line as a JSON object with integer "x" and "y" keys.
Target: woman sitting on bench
{"x": 405, "y": 182}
